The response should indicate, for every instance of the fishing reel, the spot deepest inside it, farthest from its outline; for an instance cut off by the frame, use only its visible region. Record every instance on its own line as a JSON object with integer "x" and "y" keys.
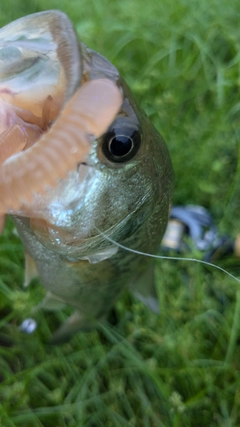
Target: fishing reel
{"x": 192, "y": 225}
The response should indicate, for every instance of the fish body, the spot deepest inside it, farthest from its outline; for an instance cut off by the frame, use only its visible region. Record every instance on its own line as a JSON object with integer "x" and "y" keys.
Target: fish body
{"x": 119, "y": 195}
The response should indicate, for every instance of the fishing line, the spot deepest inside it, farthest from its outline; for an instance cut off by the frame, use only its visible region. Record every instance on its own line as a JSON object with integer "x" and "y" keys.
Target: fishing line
{"x": 173, "y": 258}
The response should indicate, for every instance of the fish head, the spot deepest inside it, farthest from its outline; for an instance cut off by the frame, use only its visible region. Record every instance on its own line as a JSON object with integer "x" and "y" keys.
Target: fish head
{"x": 125, "y": 180}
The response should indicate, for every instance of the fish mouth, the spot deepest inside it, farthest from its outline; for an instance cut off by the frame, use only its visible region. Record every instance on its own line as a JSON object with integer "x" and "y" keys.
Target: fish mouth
{"x": 54, "y": 126}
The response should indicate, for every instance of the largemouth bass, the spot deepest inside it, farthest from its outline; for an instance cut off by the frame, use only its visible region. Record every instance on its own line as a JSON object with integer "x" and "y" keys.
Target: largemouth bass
{"x": 120, "y": 193}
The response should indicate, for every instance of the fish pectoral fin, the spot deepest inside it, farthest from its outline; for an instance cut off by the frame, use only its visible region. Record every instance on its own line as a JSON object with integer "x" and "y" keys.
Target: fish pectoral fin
{"x": 51, "y": 302}
{"x": 144, "y": 289}
{"x": 75, "y": 323}
{"x": 30, "y": 270}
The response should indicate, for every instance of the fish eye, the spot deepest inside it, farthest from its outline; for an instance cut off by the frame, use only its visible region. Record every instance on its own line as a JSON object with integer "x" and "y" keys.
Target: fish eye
{"x": 121, "y": 145}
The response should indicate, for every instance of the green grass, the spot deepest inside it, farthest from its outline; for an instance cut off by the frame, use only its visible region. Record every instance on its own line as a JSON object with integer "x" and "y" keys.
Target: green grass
{"x": 182, "y": 61}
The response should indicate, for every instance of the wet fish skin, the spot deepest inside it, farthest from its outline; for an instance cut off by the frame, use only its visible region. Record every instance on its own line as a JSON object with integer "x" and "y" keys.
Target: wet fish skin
{"x": 127, "y": 199}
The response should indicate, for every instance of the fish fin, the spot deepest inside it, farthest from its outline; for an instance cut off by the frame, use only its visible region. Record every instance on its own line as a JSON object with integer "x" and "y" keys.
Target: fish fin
{"x": 30, "y": 270}
{"x": 144, "y": 289}
{"x": 75, "y": 323}
{"x": 51, "y": 302}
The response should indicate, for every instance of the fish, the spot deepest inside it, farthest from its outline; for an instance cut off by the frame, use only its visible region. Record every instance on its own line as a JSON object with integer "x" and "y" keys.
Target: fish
{"x": 118, "y": 195}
